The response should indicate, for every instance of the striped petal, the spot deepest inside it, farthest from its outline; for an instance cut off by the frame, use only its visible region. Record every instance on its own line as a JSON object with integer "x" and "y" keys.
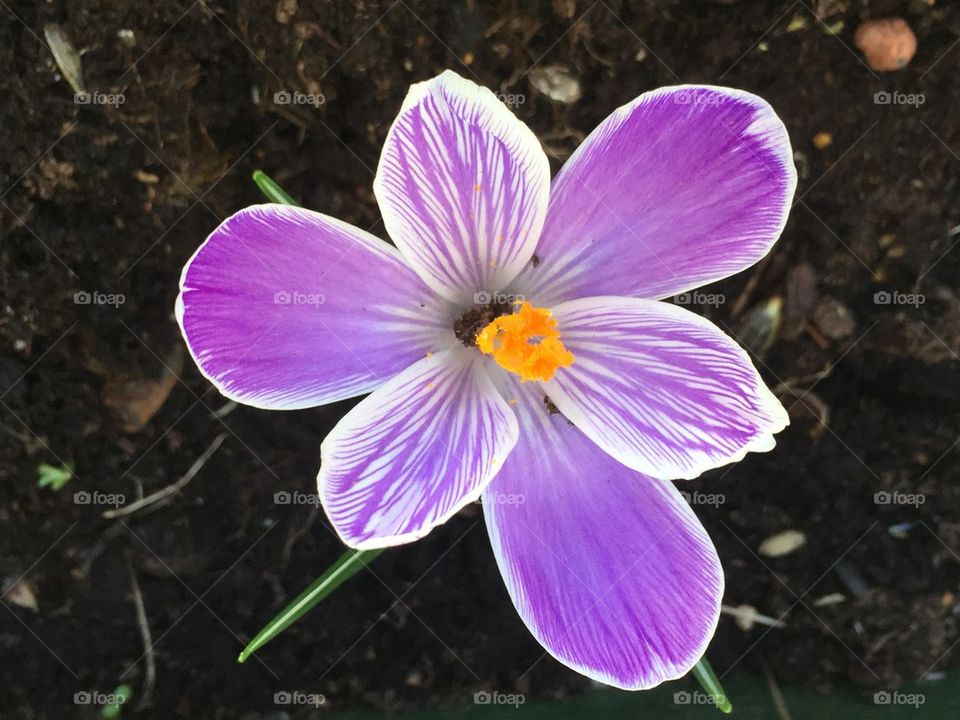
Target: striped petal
{"x": 681, "y": 187}
{"x": 415, "y": 451}
{"x": 661, "y": 389}
{"x": 611, "y": 570}
{"x": 285, "y": 308}
{"x": 463, "y": 186}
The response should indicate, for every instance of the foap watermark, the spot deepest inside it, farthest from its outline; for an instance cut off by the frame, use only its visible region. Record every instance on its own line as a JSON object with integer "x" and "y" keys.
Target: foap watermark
{"x": 85, "y": 497}
{"x": 683, "y": 697}
{"x": 885, "y": 697}
{"x": 485, "y": 697}
{"x": 699, "y": 97}
{"x": 295, "y": 697}
{"x": 283, "y": 297}
{"x": 513, "y": 100}
{"x": 85, "y": 297}
{"x": 499, "y": 498}
{"x": 295, "y": 498}
{"x": 95, "y": 697}
{"x": 885, "y": 497}
{"x": 700, "y": 498}
{"x": 497, "y": 298}
{"x": 96, "y": 97}
{"x": 299, "y": 98}
{"x": 700, "y": 298}
{"x": 882, "y": 97}
{"x": 884, "y": 297}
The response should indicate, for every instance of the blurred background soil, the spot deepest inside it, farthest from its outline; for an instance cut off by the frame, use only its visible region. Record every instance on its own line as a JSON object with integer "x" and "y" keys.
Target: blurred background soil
{"x": 113, "y": 198}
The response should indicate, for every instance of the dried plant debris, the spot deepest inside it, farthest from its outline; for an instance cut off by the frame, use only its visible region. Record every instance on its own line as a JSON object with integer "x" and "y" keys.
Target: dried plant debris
{"x": 65, "y": 55}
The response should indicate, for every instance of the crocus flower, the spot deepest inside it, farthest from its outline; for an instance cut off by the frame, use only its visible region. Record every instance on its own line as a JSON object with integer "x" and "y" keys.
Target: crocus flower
{"x": 515, "y": 350}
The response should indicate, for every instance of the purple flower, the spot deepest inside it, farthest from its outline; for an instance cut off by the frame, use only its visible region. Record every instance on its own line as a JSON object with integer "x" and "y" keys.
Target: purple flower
{"x": 515, "y": 350}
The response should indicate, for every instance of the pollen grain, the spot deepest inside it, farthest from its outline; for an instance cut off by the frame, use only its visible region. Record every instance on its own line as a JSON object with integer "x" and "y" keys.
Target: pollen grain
{"x": 527, "y": 343}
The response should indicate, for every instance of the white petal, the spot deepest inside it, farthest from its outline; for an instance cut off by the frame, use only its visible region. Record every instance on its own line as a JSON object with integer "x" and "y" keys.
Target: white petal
{"x": 463, "y": 186}
{"x": 415, "y": 451}
{"x": 661, "y": 389}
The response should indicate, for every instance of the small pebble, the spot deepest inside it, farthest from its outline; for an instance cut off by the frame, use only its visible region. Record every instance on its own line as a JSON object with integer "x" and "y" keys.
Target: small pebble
{"x": 822, "y": 140}
{"x": 565, "y": 8}
{"x": 414, "y": 679}
{"x": 888, "y": 44}
{"x": 556, "y": 82}
{"x": 783, "y": 543}
{"x": 21, "y": 593}
{"x": 285, "y": 11}
{"x": 127, "y": 37}
{"x": 833, "y": 319}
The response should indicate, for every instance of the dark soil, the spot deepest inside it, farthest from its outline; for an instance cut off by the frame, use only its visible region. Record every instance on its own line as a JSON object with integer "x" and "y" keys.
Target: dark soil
{"x": 114, "y": 199}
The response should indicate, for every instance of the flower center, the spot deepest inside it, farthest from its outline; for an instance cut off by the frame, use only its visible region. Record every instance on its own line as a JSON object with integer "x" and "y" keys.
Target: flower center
{"x": 526, "y": 343}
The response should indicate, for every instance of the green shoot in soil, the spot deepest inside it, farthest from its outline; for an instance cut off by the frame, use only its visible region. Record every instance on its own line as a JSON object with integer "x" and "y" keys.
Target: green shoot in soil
{"x": 53, "y": 477}
{"x": 349, "y": 564}
{"x": 112, "y": 710}
{"x": 269, "y": 188}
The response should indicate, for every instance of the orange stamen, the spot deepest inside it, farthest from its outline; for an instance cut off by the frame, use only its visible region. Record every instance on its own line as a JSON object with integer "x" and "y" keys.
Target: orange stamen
{"x": 526, "y": 343}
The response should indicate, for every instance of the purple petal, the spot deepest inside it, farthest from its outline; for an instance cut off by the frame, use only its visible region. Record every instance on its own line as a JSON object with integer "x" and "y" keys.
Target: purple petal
{"x": 684, "y": 186}
{"x": 611, "y": 570}
{"x": 463, "y": 186}
{"x": 417, "y": 450}
{"x": 285, "y": 308}
{"x": 661, "y": 389}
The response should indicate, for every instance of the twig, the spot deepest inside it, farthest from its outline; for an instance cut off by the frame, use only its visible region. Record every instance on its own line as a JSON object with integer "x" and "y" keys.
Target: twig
{"x": 150, "y": 675}
{"x": 778, "y": 702}
{"x": 221, "y": 413}
{"x": 169, "y": 489}
{"x": 751, "y": 616}
{"x": 294, "y": 537}
{"x": 744, "y": 298}
{"x": 812, "y": 379}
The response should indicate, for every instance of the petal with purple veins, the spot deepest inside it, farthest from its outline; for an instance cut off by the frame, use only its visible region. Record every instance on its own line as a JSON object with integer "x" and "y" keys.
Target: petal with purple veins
{"x": 463, "y": 186}
{"x": 285, "y": 308}
{"x": 415, "y": 451}
{"x": 681, "y": 187}
{"x": 661, "y": 389}
{"x": 611, "y": 570}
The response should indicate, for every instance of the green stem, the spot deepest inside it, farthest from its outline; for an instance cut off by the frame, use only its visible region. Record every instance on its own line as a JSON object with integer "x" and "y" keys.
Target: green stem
{"x": 349, "y": 564}
{"x": 711, "y": 684}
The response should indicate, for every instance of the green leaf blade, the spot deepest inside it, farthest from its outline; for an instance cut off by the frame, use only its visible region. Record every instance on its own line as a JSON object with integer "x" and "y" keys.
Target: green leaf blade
{"x": 274, "y": 192}
{"x": 708, "y": 680}
{"x": 348, "y": 565}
